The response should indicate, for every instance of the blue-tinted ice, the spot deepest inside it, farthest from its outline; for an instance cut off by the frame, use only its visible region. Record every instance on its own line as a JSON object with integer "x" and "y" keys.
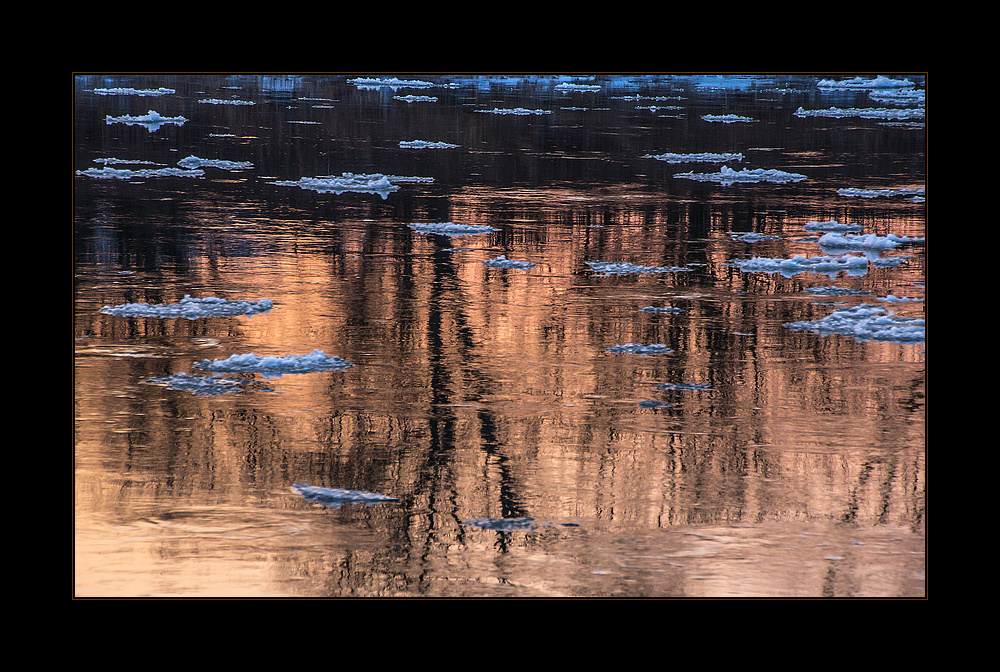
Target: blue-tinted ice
{"x": 335, "y": 497}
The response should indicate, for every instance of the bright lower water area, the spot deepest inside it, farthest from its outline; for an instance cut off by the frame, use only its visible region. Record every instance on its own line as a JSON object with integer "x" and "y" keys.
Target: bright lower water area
{"x": 529, "y": 447}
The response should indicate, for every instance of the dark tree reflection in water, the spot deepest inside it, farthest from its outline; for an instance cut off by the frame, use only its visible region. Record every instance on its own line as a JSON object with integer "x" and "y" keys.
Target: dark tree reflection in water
{"x": 527, "y": 457}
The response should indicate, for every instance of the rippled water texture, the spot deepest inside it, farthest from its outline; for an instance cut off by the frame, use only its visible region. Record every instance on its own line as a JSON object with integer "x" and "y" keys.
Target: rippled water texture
{"x": 498, "y": 337}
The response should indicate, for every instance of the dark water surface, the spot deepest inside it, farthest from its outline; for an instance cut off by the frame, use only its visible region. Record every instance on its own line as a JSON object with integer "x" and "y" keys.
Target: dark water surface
{"x": 524, "y": 458}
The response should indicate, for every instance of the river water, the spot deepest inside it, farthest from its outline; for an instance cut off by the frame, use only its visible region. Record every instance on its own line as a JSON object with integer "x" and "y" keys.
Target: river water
{"x": 526, "y": 454}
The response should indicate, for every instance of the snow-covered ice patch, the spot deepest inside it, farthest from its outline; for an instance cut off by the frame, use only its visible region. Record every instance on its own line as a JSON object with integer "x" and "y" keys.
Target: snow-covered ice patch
{"x": 868, "y": 241}
{"x": 640, "y": 349}
{"x": 864, "y": 112}
{"x": 799, "y": 263}
{"x": 705, "y": 157}
{"x": 449, "y": 229}
{"x": 374, "y": 183}
{"x": 859, "y": 82}
{"x": 107, "y": 173}
{"x": 503, "y": 262}
{"x": 200, "y": 385}
{"x": 152, "y": 121}
{"x": 514, "y": 110}
{"x": 195, "y": 162}
{"x": 751, "y": 237}
{"x": 191, "y": 309}
{"x": 866, "y": 322}
{"x": 831, "y": 225}
{"x": 423, "y": 144}
{"x": 334, "y": 498}
{"x": 725, "y": 118}
{"x": 727, "y": 175}
{"x": 624, "y": 267}
{"x": 129, "y": 91}
{"x": 275, "y": 367}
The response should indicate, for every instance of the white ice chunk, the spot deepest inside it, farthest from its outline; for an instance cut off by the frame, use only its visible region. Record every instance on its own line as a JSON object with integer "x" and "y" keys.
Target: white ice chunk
{"x": 866, "y": 322}
{"x": 423, "y": 144}
{"x": 194, "y": 162}
{"x": 859, "y": 82}
{"x": 864, "y": 113}
{"x": 127, "y": 174}
{"x": 191, "y": 309}
{"x": 275, "y": 367}
{"x": 390, "y": 82}
{"x": 876, "y": 193}
{"x": 335, "y": 497}
{"x": 375, "y": 183}
{"x": 503, "y": 262}
{"x": 832, "y": 225}
{"x": 799, "y": 263}
{"x": 151, "y": 120}
{"x": 567, "y": 86}
{"x": 750, "y": 237}
{"x": 514, "y": 110}
{"x": 449, "y": 229}
{"x": 706, "y": 157}
{"x": 416, "y": 99}
{"x": 892, "y": 298}
{"x": 129, "y": 91}
{"x": 217, "y": 101}
{"x": 868, "y": 241}
{"x": 727, "y": 175}
{"x": 624, "y": 267}
{"x": 639, "y": 349}
{"x": 725, "y": 118}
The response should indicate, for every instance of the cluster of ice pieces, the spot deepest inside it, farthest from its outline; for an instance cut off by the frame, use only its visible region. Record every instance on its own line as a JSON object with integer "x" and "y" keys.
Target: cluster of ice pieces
{"x": 200, "y": 385}
{"x": 191, "y": 309}
{"x": 868, "y": 241}
{"x": 335, "y": 497}
{"x": 514, "y": 110}
{"x": 725, "y": 118}
{"x": 832, "y": 225}
{"x": 151, "y": 120}
{"x": 879, "y": 82}
{"x": 192, "y": 161}
{"x": 275, "y": 367}
{"x": 640, "y": 349}
{"x": 503, "y": 262}
{"x": 391, "y": 82}
{"x": 423, "y": 144}
{"x": 449, "y": 229}
{"x": 129, "y": 91}
{"x": 706, "y": 157}
{"x": 624, "y": 267}
{"x": 374, "y": 183}
{"x": 864, "y": 112}
{"x": 727, "y": 175}
{"x": 866, "y": 322}
{"x": 799, "y": 263}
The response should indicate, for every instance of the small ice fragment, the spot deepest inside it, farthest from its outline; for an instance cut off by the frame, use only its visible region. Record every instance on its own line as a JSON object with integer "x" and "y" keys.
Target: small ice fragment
{"x": 661, "y": 310}
{"x": 423, "y": 144}
{"x": 335, "y": 497}
{"x": 128, "y": 91}
{"x": 750, "y": 237}
{"x": 217, "y": 101}
{"x": 502, "y": 524}
{"x": 623, "y": 267}
{"x": 200, "y": 385}
{"x": 515, "y": 110}
{"x": 705, "y": 157}
{"x": 864, "y": 112}
{"x": 191, "y": 309}
{"x": 639, "y": 349}
{"x": 194, "y": 162}
{"x": 416, "y": 99}
{"x": 727, "y": 176}
{"x": 503, "y": 262}
{"x": 868, "y": 241}
{"x": 683, "y": 386}
{"x": 876, "y": 193}
{"x": 651, "y": 403}
{"x": 275, "y": 367}
{"x": 151, "y": 120}
{"x": 449, "y": 229}
{"x": 832, "y": 225}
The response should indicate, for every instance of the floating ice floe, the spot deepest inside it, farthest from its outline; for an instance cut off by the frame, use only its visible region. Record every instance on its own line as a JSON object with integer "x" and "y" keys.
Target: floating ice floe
{"x": 218, "y": 101}
{"x": 683, "y": 386}
{"x": 567, "y": 86}
{"x": 640, "y": 349}
{"x": 194, "y": 162}
{"x": 390, "y": 82}
{"x": 107, "y": 173}
{"x": 880, "y": 82}
{"x": 503, "y": 524}
{"x": 892, "y": 298}
{"x": 901, "y": 96}
{"x": 201, "y": 385}
{"x": 624, "y": 267}
{"x": 663, "y": 310}
{"x": 750, "y": 237}
{"x": 334, "y": 498}
{"x": 514, "y": 110}
{"x": 836, "y": 291}
{"x": 866, "y": 322}
{"x": 375, "y": 183}
{"x": 864, "y": 112}
{"x": 191, "y": 309}
{"x": 151, "y": 120}
{"x": 651, "y": 403}
{"x": 449, "y": 229}
{"x": 275, "y": 367}
{"x": 657, "y": 108}
{"x": 877, "y": 193}
{"x": 706, "y": 157}
{"x": 423, "y": 144}
{"x": 503, "y": 262}
{"x": 416, "y": 99}
{"x": 852, "y": 265}
{"x": 114, "y": 162}
{"x": 832, "y": 225}
{"x": 868, "y": 241}
{"x": 725, "y": 118}
{"x": 129, "y": 91}
{"x": 727, "y": 176}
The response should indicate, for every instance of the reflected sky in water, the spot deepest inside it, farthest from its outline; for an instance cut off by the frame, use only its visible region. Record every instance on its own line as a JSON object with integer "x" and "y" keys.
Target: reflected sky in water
{"x": 746, "y": 460}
